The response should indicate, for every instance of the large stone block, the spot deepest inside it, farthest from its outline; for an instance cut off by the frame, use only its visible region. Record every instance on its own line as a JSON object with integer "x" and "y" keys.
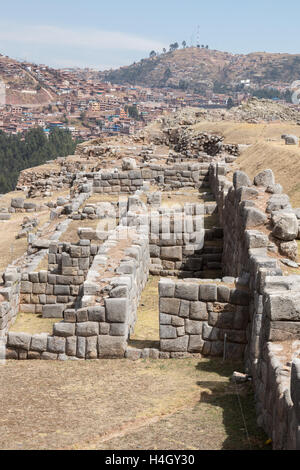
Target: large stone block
{"x": 283, "y": 306}
{"x": 116, "y": 310}
{"x": 282, "y": 330}
{"x": 187, "y": 291}
{"x": 111, "y": 346}
{"x": 39, "y": 342}
{"x": 193, "y": 327}
{"x": 64, "y": 329}
{"x": 96, "y": 314}
{"x": 240, "y": 179}
{"x": 19, "y": 340}
{"x": 265, "y": 178}
{"x": 92, "y": 347}
{"x": 195, "y": 344}
{"x": 167, "y": 332}
{"x": 118, "y": 329}
{"x": 210, "y": 333}
{"x": 175, "y": 345}
{"x": 87, "y": 329}
{"x": 71, "y": 345}
{"x": 285, "y": 226}
{"x": 253, "y": 217}
{"x": 166, "y": 288}
{"x": 53, "y": 311}
{"x": 169, "y": 305}
{"x": 198, "y": 311}
{"x": 171, "y": 253}
{"x": 208, "y": 292}
{"x": 56, "y": 344}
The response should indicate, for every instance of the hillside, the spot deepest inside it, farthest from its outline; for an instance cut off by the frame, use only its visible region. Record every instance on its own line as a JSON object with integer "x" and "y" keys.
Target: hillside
{"x": 23, "y": 84}
{"x": 197, "y": 67}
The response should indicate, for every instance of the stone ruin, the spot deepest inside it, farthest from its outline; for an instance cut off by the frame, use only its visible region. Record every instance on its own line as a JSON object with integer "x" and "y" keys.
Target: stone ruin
{"x": 248, "y": 310}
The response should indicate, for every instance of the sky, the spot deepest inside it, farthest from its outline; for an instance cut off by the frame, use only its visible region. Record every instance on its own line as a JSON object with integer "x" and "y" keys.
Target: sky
{"x": 108, "y": 34}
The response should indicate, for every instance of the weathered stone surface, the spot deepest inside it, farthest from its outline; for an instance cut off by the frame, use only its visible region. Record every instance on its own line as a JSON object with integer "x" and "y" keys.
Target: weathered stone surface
{"x": 210, "y": 333}
{"x": 169, "y": 305}
{"x": 240, "y": 179}
{"x": 111, "y": 346}
{"x": 87, "y": 329}
{"x": 19, "y": 340}
{"x": 264, "y": 178}
{"x": 175, "y": 345}
{"x": 285, "y": 226}
{"x": 64, "y": 329}
{"x": 39, "y": 342}
{"x": 256, "y": 239}
{"x": 71, "y": 346}
{"x": 289, "y": 249}
{"x": 208, "y": 292}
{"x": 171, "y": 253}
{"x": 118, "y": 329}
{"x": 283, "y": 306}
{"x": 223, "y": 293}
{"x": 133, "y": 354}
{"x": 92, "y": 347}
{"x": 195, "y": 344}
{"x": 193, "y": 327}
{"x": 96, "y": 314}
{"x": 253, "y": 217}
{"x": 198, "y": 311}
{"x": 282, "y": 330}
{"x": 167, "y": 332}
{"x": 187, "y": 291}
{"x": 56, "y": 344}
{"x": 53, "y": 311}
{"x": 116, "y": 310}
{"x": 239, "y": 297}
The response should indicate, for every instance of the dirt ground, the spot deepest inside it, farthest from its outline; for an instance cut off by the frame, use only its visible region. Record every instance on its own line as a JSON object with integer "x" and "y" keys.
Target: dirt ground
{"x": 119, "y": 404}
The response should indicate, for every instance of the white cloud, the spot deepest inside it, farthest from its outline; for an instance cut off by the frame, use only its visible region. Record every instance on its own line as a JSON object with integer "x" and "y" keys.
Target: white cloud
{"x": 91, "y": 38}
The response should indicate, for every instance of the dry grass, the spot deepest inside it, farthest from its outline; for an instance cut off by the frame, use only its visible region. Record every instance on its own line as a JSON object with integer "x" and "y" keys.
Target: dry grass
{"x": 283, "y": 160}
{"x": 10, "y": 247}
{"x": 146, "y": 331}
{"x": 71, "y": 235}
{"x": 33, "y": 323}
{"x": 119, "y": 404}
{"x": 244, "y": 133}
{"x": 101, "y": 197}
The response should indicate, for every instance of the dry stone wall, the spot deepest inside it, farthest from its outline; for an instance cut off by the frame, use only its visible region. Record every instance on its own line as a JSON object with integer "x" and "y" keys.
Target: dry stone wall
{"x": 51, "y": 292}
{"x": 203, "y": 318}
{"x": 273, "y": 333}
{"x": 177, "y": 241}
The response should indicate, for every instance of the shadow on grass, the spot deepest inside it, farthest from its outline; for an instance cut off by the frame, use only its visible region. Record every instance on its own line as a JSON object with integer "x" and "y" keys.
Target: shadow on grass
{"x": 237, "y": 403}
{"x": 143, "y": 343}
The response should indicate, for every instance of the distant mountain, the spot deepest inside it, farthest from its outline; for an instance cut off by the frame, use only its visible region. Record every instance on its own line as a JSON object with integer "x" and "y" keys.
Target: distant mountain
{"x": 199, "y": 68}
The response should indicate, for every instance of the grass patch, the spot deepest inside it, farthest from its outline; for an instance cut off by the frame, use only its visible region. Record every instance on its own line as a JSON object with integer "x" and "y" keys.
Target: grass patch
{"x": 33, "y": 323}
{"x": 172, "y": 404}
{"x": 146, "y": 331}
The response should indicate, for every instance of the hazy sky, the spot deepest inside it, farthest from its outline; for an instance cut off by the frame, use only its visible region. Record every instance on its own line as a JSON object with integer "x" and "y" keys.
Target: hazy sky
{"x": 107, "y": 34}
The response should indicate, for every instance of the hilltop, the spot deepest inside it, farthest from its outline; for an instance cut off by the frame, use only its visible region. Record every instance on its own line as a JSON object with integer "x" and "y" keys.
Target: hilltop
{"x": 199, "y": 68}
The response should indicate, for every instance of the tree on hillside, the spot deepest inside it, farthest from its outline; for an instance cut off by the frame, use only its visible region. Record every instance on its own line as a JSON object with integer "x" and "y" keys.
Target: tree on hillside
{"x": 230, "y": 103}
{"x": 164, "y": 50}
{"x": 174, "y": 46}
{"x": 18, "y": 152}
{"x": 183, "y": 44}
{"x": 152, "y": 54}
